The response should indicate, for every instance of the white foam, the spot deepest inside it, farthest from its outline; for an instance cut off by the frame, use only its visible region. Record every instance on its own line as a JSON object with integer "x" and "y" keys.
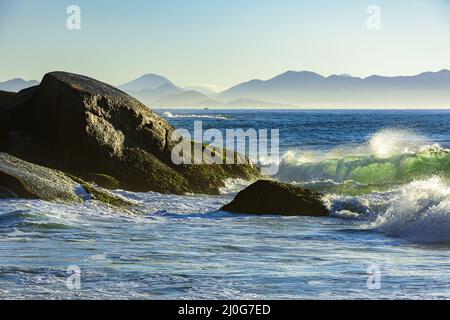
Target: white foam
{"x": 389, "y": 142}
{"x": 420, "y": 211}
{"x": 234, "y": 185}
{"x": 307, "y": 165}
{"x": 168, "y": 114}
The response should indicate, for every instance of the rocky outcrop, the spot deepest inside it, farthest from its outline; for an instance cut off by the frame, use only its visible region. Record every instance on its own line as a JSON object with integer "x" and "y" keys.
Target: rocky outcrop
{"x": 22, "y": 179}
{"x": 271, "y": 197}
{"x": 5, "y": 98}
{"x": 4, "y": 95}
{"x": 87, "y": 128}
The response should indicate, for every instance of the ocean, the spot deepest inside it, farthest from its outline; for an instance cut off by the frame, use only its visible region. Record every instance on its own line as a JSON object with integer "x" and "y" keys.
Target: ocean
{"x": 385, "y": 179}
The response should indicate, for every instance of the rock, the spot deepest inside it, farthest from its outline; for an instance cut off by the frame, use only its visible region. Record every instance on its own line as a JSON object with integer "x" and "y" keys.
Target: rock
{"x": 22, "y": 179}
{"x": 271, "y": 197}
{"x": 85, "y": 127}
{"x": 4, "y": 95}
{"x": 102, "y": 180}
{"x": 27, "y": 180}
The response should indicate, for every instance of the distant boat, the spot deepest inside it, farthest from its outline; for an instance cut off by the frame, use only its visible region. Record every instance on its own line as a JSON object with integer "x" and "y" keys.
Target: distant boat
{"x": 205, "y": 108}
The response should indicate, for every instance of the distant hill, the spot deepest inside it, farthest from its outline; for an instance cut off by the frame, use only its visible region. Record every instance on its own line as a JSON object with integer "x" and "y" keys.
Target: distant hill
{"x": 301, "y": 89}
{"x": 150, "y": 96}
{"x": 145, "y": 82}
{"x": 15, "y": 85}
{"x": 291, "y": 89}
{"x": 185, "y": 99}
{"x": 158, "y": 91}
{"x": 309, "y": 89}
{"x": 203, "y": 89}
{"x": 196, "y": 99}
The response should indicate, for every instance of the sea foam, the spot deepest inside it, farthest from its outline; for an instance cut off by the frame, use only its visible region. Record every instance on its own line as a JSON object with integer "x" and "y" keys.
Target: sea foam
{"x": 168, "y": 114}
{"x": 420, "y": 212}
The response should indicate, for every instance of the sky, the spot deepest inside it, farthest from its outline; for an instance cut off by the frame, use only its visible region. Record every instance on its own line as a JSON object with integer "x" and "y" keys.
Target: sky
{"x": 222, "y": 42}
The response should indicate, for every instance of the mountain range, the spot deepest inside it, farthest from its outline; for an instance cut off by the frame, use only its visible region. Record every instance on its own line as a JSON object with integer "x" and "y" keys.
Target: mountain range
{"x": 291, "y": 89}
{"x": 309, "y": 89}
{"x": 17, "y": 84}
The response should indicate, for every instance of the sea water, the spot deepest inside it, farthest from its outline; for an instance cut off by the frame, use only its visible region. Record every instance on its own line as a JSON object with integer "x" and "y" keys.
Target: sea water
{"x": 385, "y": 179}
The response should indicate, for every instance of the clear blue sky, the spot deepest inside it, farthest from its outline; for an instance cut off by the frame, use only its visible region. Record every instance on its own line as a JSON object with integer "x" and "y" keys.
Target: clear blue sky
{"x": 222, "y": 42}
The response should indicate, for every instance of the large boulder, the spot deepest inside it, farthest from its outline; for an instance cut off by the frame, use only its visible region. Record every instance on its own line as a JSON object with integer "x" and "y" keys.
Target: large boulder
{"x": 271, "y": 197}
{"x": 88, "y": 128}
{"x": 5, "y": 97}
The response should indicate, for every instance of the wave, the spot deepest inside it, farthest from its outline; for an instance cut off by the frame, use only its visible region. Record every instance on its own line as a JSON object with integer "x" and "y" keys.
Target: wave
{"x": 233, "y": 186}
{"x": 171, "y": 115}
{"x": 418, "y": 211}
{"x": 389, "y": 157}
{"x": 397, "y": 183}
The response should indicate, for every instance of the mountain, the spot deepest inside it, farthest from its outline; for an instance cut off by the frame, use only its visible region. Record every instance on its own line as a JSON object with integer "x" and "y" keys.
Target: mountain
{"x": 155, "y": 90}
{"x": 145, "y": 82}
{"x": 309, "y": 89}
{"x": 150, "y": 96}
{"x": 203, "y": 89}
{"x": 185, "y": 99}
{"x": 15, "y": 85}
{"x": 196, "y": 99}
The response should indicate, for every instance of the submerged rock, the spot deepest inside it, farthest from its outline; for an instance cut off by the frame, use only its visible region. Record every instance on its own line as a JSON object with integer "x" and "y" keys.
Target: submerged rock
{"x": 271, "y": 197}
{"x": 21, "y": 179}
{"x": 87, "y": 128}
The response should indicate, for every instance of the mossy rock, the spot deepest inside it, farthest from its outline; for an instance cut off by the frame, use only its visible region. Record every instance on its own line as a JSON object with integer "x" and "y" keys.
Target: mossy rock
{"x": 27, "y": 180}
{"x": 21, "y": 179}
{"x": 102, "y": 195}
{"x": 102, "y": 180}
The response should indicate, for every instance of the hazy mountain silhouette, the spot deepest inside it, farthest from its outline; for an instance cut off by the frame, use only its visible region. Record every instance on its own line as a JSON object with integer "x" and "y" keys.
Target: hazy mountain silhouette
{"x": 203, "y": 89}
{"x": 185, "y": 99}
{"x": 145, "y": 82}
{"x": 309, "y": 89}
{"x": 196, "y": 99}
{"x": 17, "y": 84}
{"x": 150, "y": 96}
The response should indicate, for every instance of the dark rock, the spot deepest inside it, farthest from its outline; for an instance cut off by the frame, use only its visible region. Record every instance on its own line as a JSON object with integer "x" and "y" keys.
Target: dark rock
{"x": 101, "y": 180}
{"x": 79, "y": 125}
{"x": 271, "y": 197}
{"x": 4, "y": 95}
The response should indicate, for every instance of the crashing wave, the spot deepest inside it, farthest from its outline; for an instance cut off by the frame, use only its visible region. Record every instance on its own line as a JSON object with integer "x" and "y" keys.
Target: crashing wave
{"x": 420, "y": 212}
{"x": 388, "y": 157}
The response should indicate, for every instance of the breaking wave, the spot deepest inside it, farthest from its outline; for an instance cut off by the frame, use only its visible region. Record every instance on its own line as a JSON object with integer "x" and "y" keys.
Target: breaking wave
{"x": 397, "y": 183}
{"x": 418, "y": 211}
{"x": 388, "y": 157}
